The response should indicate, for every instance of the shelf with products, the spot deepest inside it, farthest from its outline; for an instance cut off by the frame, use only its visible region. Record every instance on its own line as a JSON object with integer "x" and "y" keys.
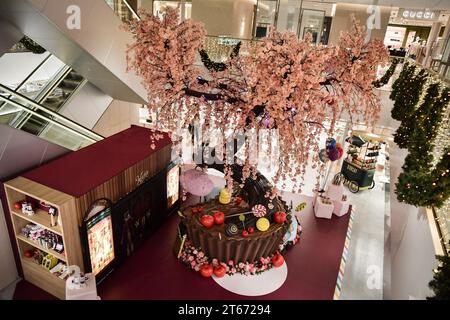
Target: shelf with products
{"x": 363, "y": 154}
{"x": 44, "y": 278}
{"x": 43, "y": 239}
{"x": 37, "y": 230}
{"x": 40, "y": 217}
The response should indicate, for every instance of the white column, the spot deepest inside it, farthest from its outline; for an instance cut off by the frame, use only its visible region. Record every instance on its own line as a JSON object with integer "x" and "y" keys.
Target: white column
{"x": 283, "y": 11}
{"x": 447, "y": 29}
{"x": 434, "y": 32}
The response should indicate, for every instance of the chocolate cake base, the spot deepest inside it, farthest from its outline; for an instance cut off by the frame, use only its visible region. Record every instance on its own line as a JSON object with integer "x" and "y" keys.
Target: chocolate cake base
{"x": 216, "y": 244}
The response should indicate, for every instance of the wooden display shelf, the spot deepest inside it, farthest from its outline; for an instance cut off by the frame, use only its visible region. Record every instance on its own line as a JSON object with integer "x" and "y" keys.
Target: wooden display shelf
{"x": 40, "y": 218}
{"x": 43, "y": 278}
{"x": 42, "y": 248}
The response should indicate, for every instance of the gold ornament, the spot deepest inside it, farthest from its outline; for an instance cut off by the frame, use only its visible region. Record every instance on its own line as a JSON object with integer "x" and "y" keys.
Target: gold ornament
{"x": 262, "y": 224}
{"x": 224, "y": 196}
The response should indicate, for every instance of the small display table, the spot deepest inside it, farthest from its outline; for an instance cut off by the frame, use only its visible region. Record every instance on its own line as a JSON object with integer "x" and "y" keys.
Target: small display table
{"x": 340, "y": 207}
{"x": 322, "y": 209}
{"x": 87, "y": 293}
{"x": 335, "y": 192}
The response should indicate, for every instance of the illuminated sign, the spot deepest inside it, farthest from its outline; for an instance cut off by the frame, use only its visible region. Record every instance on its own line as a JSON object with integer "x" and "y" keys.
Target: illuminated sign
{"x": 100, "y": 240}
{"x": 415, "y": 14}
{"x": 173, "y": 186}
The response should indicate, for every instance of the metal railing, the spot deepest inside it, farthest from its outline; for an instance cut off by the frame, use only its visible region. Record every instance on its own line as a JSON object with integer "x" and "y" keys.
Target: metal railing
{"x": 123, "y": 10}
{"x": 62, "y": 131}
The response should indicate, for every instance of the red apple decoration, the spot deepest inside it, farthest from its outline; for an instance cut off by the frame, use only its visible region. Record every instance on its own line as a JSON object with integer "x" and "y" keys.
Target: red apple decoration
{"x": 220, "y": 271}
{"x": 277, "y": 260}
{"x": 194, "y": 210}
{"x": 28, "y": 253}
{"x": 279, "y": 217}
{"x": 207, "y": 221}
{"x": 219, "y": 217}
{"x": 200, "y": 209}
{"x": 206, "y": 270}
{"x": 18, "y": 205}
{"x": 245, "y": 233}
{"x": 251, "y": 230}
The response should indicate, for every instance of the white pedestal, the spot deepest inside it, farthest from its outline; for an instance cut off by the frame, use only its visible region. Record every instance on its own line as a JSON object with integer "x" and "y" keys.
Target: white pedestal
{"x": 323, "y": 210}
{"x": 335, "y": 192}
{"x": 87, "y": 293}
{"x": 340, "y": 207}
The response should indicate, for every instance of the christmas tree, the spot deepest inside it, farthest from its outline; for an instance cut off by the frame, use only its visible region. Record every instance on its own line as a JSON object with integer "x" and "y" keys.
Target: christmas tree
{"x": 420, "y": 184}
{"x": 397, "y": 86}
{"x": 441, "y": 280}
{"x": 423, "y": 187}
{"x": 385, "y": 78}
{"x": 406, "y": 129}
{"x": 406, "y": 91}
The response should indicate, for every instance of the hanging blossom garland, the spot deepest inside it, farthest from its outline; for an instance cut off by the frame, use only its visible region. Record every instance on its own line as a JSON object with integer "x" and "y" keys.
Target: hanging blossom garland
{"x": 194, "y": 258}
{"x": 283, "y": 83}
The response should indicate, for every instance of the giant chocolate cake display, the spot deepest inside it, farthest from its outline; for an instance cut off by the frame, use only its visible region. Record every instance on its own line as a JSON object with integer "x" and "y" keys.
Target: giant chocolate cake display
{"x": 243, "y": 227}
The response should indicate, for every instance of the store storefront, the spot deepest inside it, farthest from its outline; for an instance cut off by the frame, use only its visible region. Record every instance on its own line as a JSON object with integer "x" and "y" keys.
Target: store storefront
{"x": 415, "y": 33}
{"x": 300, "y": 17}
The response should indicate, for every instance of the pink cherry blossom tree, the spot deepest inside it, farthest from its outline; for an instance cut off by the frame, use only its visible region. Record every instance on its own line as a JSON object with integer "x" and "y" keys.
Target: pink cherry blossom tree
{"x": 283, "y": 83}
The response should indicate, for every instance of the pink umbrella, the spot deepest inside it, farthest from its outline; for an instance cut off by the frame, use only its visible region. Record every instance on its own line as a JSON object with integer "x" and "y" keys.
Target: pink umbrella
{"x": 196, "y": 182}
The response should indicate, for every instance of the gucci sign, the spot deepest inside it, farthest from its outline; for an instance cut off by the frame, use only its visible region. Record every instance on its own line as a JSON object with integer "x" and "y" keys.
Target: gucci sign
{"x": 424, "y": 14}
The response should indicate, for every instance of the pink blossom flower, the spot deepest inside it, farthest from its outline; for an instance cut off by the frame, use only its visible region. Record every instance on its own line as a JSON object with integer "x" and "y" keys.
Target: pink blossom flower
{"x": 230, "y": 262}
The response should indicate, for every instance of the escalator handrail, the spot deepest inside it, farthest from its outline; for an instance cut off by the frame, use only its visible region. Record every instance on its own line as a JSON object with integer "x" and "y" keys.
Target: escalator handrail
{"x": 34, "y": 113}
{"x": 95, "y": 136}
{"x": 43, "y": 94}
{"x": 20, "y": 120}
{"x": 30, "y": 75}
{"x": 50, "y": 87}
{"x": 33, "y": 72}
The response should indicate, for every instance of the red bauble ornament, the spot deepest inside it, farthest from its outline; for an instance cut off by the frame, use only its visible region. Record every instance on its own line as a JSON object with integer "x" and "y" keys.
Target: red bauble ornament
{"x": 245, "y": 233}
{"x": 194, "y": 210}
{"x": 18, "y": 205}
{"x": 251, "y": 230}
{"x": 200, "y": 209}
{"x": 28, "y": 253}
{"x": 219, "y": 217}
{"x": 207, "y": 221}
{"x": 279, "y": 217}
{"x": 277, "y": 260}
{"x": 206, "y": 270}
{"x": 238, "y": 200}
{"x": 220, "y": 271}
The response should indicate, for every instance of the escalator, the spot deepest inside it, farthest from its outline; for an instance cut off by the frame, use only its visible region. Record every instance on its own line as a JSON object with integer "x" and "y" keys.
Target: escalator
{"x": 29, "y": 104}
{"x": 54, "y": 98}
{"x": 42, "y": 121}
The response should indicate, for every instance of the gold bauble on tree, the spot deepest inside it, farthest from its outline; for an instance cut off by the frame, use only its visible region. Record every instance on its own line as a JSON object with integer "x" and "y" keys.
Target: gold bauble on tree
{"x": 224, "y": 196}
{"x": 262, "y": 224}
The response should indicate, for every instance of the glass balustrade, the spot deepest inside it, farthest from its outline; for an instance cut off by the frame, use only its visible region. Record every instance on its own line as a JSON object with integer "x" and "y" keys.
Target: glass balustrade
{"x": 220, "y": 48}
{"x": 43, "y": 122}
